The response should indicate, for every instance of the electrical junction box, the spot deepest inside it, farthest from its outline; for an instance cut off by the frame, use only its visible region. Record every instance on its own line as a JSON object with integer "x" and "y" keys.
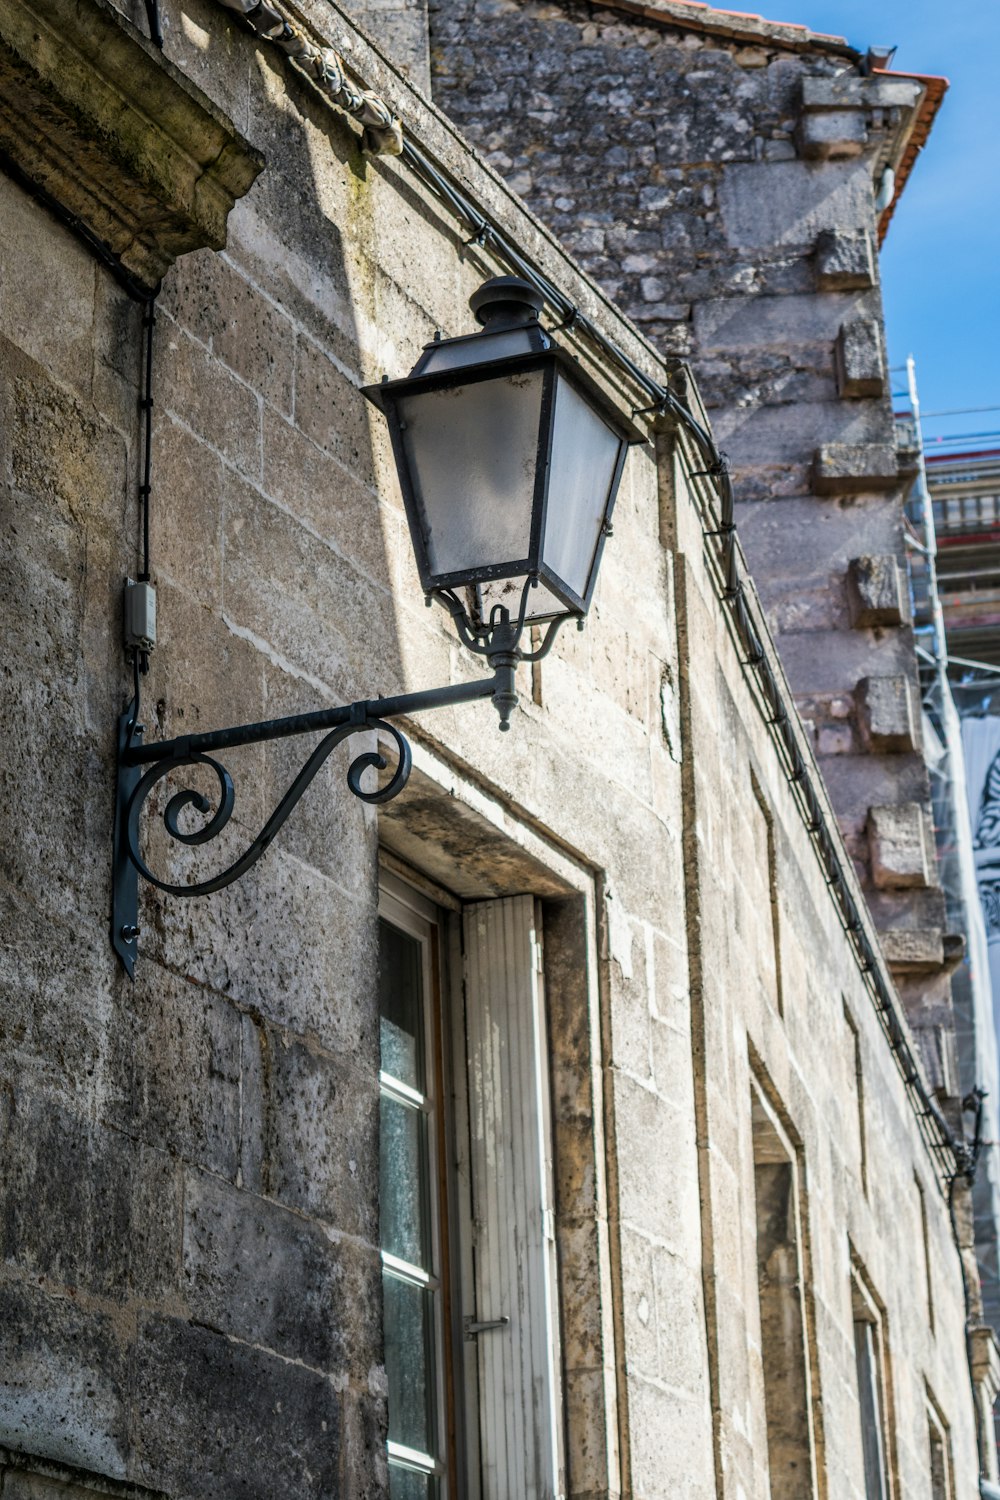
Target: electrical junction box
{"x": 140, "y": 616}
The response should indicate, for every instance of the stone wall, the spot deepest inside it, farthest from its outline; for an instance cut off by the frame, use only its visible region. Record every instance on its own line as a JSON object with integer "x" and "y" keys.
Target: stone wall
{"x": 721, "y": 189}
{"x": 190, "y": 1274}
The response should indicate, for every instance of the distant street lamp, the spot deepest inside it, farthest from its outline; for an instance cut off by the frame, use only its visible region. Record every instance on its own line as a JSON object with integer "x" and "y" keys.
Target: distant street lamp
{"x": 509, "y": 459}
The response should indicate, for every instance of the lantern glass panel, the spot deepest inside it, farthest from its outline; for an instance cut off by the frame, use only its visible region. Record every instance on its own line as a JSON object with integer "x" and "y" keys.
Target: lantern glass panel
{"x": 472, "y": 453}
{"x": 582, "y": 466}
{"x": 480, "y": 348}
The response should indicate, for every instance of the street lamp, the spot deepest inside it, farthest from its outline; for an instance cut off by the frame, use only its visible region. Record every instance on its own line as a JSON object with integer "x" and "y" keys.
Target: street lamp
{"x": 509, "y": 459}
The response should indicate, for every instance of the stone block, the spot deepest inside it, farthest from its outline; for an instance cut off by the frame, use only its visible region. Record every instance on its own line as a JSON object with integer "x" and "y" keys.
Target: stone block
{"x": 242, "y": 327}
{"x": 321, "y": 1136}
{"x": 768, "y": 204}
{"x": 214, "y": 404}
{"x": 844, "y": 260}
{"x": 84, "y": 1206}
{"x": 913, "y": 950}
{"x": 859, "y": 361}
{"x": 63, "y": 1380}
{"x": 847, "y": 468}
{"x": 835, "y": 135}
{"x": 875, "y": 591}
{"x": 173, "y": 1074}
{"x": 897, "y": 841}
{"x": 842, "y": 92}
{"x": 215, "y": 1417}
{"x": 260, "y": 1273}
{"x": 885, "y": 710}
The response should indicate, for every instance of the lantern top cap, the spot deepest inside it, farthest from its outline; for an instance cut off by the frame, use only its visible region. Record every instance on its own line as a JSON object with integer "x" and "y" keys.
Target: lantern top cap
{"x": 506, "y": 302}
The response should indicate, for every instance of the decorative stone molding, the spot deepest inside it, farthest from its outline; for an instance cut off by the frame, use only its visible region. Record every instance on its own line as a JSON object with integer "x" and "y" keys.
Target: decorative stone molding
{"x": 95, "y": 115}
{"x": 383, "y": 130}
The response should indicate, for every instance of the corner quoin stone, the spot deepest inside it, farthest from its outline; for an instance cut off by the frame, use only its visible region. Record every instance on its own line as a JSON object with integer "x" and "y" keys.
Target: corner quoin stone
{"x": 874, "y": 591}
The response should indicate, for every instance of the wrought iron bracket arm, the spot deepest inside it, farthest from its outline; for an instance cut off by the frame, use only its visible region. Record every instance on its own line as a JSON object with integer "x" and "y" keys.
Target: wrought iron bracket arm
{"x": 142, "y": 766}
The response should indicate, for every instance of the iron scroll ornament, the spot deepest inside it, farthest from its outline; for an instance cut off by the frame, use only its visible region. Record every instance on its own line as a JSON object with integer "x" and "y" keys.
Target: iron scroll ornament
{"x": 227, "y": 801}
{"x": 142, "y": 766}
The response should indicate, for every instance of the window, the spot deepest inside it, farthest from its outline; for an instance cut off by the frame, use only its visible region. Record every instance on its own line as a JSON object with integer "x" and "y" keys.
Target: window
{"x": 411, "y": 1206}
{"x": 472, "y": 1343}
{"x": 942, "y": 1484}
{"x": 873, "y": 1402}
{"x": 780, "y": 1282}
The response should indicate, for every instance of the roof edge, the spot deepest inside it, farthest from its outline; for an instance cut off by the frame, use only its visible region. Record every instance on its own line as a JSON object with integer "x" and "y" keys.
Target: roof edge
{"x": 739, "y": 26}
{"x": 934, "y": 90}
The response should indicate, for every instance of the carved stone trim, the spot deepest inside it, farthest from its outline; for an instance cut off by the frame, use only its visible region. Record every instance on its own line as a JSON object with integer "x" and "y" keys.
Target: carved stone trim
{"x": 97, "y": 117}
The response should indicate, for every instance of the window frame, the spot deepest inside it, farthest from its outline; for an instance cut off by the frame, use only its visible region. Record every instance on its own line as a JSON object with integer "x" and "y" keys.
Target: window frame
{"x": 410, "y": 912}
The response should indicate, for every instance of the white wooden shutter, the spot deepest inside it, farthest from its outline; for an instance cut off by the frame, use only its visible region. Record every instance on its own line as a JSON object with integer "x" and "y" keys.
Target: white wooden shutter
{"x": 520, "y": 1420}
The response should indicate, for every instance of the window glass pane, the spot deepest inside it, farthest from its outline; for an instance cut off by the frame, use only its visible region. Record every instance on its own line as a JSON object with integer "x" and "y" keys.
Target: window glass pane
{"x": 403, "y": 1181}
{"x": 871, "y": 1416}
{"x": 400, "y": 1006}
{"x": 409, "y": 1363}
{"x": 406, "y": 1484}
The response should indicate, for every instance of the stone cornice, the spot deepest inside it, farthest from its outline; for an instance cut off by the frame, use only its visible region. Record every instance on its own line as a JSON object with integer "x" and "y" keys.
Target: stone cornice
{"x": 96, "y": 117}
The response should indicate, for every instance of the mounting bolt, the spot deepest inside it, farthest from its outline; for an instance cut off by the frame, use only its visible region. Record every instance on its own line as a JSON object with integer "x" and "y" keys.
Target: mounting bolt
{"x": 130, "y": 933}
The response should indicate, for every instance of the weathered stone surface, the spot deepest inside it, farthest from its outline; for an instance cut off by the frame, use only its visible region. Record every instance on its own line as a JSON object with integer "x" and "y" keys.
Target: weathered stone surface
{"x": 94, "y": 115}
{"x": 845, "y": 468}
{"x": 220, "y": 1417}
{"x": 875, "y": 591}
{"x": 63, "y": 1380}
{"x": 885, "y": 707}
{"x": 860, "y": 360}
{"x": 86, "y": 1208}
{"x": 174, "y": 1071}
{"x": 844, "y": 260}
{"x": 897, "y": 838}
{"x": 913, "y": 950}
{"x": 255, "y": 1271}
{"x": 27, "y": 1476}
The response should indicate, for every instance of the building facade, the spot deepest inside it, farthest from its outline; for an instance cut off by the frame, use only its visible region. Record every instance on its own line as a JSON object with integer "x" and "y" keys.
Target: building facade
{"x": 552, "y": 1129}
{"x": 739, "y": 175}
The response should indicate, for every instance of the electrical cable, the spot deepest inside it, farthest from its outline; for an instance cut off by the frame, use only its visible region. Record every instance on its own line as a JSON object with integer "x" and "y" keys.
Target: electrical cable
{"x": 146, "y": 412}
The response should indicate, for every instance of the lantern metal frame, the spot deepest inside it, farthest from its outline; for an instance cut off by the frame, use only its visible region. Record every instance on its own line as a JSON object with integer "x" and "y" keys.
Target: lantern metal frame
{"x": 551, "y": 360}
{"x": 141, "y": 766}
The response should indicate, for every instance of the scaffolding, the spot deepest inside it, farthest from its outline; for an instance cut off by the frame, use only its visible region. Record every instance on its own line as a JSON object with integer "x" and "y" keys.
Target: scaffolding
{"x": 946, "y": 738}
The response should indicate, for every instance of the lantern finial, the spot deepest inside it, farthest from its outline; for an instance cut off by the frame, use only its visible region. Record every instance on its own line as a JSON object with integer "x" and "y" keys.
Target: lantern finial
{"x": 506, "y": 302}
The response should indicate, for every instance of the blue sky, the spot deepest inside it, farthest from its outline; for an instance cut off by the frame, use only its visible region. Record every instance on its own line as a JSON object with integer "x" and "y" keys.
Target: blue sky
{"x": 941, "y": 260}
